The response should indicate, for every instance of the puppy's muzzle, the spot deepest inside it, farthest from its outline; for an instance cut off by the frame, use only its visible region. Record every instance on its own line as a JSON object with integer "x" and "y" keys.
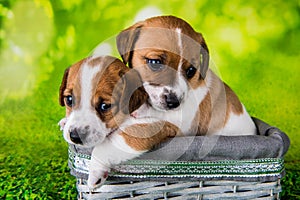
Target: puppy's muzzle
{"x": 77, "y": 135}
{"x": 172, "y": 101}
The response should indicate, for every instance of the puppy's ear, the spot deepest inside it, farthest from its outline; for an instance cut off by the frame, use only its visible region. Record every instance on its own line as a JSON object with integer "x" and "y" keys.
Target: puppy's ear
{"x": 204, "y": 56}
{"x": 138, "y": 98}
{"x": 63, "y": 86}
{"x": 133, "y": 94}
{"x": 126, "y": 41}
{"x": 71, "y": 72}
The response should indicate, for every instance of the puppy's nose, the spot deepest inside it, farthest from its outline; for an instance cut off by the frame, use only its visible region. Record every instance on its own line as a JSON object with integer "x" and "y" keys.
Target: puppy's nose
{"x": 74, "y": 136}
{"x": 172, "y": 101}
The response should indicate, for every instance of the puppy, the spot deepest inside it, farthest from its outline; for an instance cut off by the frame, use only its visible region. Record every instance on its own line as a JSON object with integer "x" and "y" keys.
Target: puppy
{"x": 99, "y": 94}
{"x": 173, "y": 61}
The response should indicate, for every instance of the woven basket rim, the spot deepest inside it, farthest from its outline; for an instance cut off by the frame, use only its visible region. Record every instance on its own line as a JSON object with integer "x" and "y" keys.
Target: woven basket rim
{"x": 251, "y": 169}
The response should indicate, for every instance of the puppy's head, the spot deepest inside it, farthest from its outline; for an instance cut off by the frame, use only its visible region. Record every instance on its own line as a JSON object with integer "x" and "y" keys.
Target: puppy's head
{"x": 171, "y": 57}
{"x": 98, "y": 92}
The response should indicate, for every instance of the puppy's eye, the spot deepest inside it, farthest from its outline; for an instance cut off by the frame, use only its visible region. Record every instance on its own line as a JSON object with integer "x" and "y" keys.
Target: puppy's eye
{"x": 190, "y": 72}
{"x": 69, "y": 100}
{"x": 155, "y": 64}
{"x": 103, "y": 107}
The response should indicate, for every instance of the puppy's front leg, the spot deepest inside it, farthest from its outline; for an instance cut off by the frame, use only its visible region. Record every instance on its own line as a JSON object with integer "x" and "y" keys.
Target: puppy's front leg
{"x": 112, "y": 151}
{"x": 124, "y": 145}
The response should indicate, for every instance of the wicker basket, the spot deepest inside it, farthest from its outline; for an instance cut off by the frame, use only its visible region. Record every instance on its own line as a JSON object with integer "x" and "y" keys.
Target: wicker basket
{"x": 250, "y": 178}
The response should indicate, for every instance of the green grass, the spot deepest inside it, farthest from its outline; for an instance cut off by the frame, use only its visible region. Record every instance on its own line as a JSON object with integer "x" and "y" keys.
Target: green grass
{"x": 33, "y": 155}
{"x": 43, "y": 178}
{"x": 291, "y": 182}
{"x": 257, "y": 54}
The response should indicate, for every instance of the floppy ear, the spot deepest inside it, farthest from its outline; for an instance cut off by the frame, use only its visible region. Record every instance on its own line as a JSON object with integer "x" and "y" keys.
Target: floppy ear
{"x": 126, "y": 41}
{"x": 204, "y": 56}
{"x": 75, "y": 68}
{"x": 133, "y": 94}
{"x": 63, "y": 87}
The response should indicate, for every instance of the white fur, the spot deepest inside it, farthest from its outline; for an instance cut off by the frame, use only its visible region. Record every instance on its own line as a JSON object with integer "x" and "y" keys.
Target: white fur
{"x": 155, "y": 95}
{"x": 178, "y": 31}
{"x": 85, "y": 115}
{"x": 112, "y": 151}
{"x": 88, "y": 73}
{"x": 234, "y": 124}
{"x": 109, "y": 150}
{"x": 182, "y": 117}
{"x": 62, "y": 123}
{"x": 179, "y": 86}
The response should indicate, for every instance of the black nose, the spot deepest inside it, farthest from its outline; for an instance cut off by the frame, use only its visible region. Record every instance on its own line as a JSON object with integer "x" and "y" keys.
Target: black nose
{"x": 172, "y": 101}
{"x": 74, "y": 136}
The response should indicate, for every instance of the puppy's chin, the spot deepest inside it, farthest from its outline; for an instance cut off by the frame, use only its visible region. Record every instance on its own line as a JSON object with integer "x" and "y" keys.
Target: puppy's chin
{"x": 159, "y": 107}
{"x": 155, "y": 97}
{"x": 166, "y": 98}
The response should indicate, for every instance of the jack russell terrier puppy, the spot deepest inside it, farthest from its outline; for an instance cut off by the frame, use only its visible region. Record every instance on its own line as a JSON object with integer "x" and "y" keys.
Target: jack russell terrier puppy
{"x": 173, "y": 61}
{"x": 99, "y": 94}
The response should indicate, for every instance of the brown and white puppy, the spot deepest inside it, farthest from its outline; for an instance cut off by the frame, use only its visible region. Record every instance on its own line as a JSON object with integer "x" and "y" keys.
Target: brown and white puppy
{"x": 173, "y": 61}
{"x": 99, "y": 94}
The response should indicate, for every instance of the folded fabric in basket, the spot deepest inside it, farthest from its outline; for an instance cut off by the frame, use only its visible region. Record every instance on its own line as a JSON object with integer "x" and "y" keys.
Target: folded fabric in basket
{"x": 269, "y": 143}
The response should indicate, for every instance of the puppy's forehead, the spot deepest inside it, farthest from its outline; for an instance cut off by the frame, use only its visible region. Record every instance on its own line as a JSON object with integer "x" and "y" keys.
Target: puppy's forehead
{"x": 85, "y": 75}
{"x": 99, "y": 70}
{"x": 158, "y": 38}
{"x": 90, "y": 65}
{"x": 175, "y": 40}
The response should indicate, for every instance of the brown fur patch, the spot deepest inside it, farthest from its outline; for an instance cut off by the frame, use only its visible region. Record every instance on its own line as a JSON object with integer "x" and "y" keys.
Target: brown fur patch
{"x": 203, "y": 116}
{"x": 109, "y": 87}
{"x": 158, "y": 39}
{"x": 114, "y": 85}
{"x": 233, "y": 103}
{"x": 121, "y": 87}
{"x": 196, "y": 80}
{"x": 97, "y": 61}
{"x": 165, "y": 76}
{"x": 106, "y": 91}
{"x": 159, "y": 34}
{"x": 216, "y": 107}
{"x": 68, "y": 84}
{"x": 62, "y": 87}
{"x": 143, "y": 137}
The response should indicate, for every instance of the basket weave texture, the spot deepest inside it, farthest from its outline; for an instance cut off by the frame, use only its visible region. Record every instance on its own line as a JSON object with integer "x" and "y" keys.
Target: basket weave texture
{"x": 183, "y": 190}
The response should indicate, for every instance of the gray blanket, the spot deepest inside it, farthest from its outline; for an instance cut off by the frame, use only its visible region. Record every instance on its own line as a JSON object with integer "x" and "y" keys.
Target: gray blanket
{"x": 270, "y": 142}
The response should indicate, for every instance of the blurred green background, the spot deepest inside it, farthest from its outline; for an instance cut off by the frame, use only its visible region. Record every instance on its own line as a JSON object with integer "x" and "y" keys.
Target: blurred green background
{"x": 254, "y": 47}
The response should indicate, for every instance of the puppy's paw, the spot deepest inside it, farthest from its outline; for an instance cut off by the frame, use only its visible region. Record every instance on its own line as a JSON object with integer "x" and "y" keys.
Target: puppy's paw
{"x": 141, "y": 112}
{"x": 62, "y": 123}
{"x": 97, "y": 176}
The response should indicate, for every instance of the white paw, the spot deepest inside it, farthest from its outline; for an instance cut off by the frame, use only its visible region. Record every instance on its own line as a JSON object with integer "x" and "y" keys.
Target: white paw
{"x": 98, "y": 174}
{"x": 141, "y": 112}
{"x": 62, "y": 123}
